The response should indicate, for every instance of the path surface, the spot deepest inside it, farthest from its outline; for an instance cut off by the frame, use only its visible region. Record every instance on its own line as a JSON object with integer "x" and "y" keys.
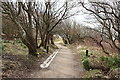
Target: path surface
{"x": 64, "y": 65}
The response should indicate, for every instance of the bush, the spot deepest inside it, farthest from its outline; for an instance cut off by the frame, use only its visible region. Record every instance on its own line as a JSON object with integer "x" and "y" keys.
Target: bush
{"x": 86, "y": 64}
{"x": 112, "y": 62}
{"x": 102, "y": 58}
{"x": 6, "y": 41}
{"x": 18, "y": 41}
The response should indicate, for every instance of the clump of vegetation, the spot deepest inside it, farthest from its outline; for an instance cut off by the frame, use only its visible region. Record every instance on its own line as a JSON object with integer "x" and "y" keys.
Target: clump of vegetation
{"x": 1, "y": 46}
{"x": 86, "y": 64}
{"x": 6, "y": 41}
{"x": 112, "y": 62}
{"x": 96, "y": 61}
{"x": 93, "y": 74}
{"x": 18, "y": 41}
{"x": 85, "y": 60}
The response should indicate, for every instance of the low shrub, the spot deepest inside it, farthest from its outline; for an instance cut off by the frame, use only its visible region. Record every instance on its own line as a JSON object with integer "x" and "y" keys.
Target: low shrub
{"x": 6, "y": 41}
{"x": 86, "y": 64}
{"x": 18, "y": 41}
{"x": 1, "y": 47}
{"x": 112, "y": 62}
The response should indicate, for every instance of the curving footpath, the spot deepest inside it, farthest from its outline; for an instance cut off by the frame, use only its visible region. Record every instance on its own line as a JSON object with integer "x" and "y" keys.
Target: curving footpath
{"x": 64, "y": 65}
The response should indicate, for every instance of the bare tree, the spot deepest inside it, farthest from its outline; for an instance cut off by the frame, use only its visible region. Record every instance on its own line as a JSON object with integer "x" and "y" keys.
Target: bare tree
{"x": 108, "y": 15}
{"x": 52, "y": 15}
{"x": 38, "y": 17}
{"x": 70, "y": 31}
{"x": 21, "y": 14}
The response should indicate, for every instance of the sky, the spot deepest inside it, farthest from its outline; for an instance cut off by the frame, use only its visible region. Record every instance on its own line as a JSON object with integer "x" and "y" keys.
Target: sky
{"x": 82, "y": 18}
{"x": 87, "y": 19}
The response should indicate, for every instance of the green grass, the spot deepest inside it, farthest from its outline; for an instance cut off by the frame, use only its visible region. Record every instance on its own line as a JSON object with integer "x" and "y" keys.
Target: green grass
{"x": 17, "y": 48}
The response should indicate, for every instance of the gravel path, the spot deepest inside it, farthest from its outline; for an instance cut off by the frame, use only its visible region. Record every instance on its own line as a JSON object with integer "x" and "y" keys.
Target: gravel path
{"x": 65, "y": 65}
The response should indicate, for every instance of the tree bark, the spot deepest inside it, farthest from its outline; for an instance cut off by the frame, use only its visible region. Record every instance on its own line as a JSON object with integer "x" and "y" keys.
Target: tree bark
{"x": 32, "y": 51}
{"x": 51, "y": 39}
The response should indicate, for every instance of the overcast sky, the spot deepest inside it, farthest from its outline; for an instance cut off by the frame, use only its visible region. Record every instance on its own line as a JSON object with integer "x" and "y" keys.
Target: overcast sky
{"x": 82, "y": 18}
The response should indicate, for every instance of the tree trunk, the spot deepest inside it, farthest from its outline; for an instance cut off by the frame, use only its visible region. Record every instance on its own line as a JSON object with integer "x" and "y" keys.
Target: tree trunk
{"x": 44, "y": 41}
{"x": 32, "y": 51}
{"x": 51, "y": 39}
{"x": 31, "y": 44}
{"x": 119, "y": 37}
{"x": 36, "y": 36}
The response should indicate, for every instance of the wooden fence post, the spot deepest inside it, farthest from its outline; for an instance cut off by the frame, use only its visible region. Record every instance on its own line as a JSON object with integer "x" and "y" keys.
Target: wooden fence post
{"x": 47, "y": 49}
{"x": 87, "y": 53}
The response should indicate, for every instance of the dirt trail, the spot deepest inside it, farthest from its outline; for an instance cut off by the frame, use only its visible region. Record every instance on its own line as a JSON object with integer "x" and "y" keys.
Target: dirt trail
{"x": 64, "y": 65}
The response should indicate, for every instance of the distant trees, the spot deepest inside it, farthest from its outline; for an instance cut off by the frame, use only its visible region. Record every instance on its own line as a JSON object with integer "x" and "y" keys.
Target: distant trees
{"x": 108, "y": 15}
{"x": 43, "y": 17}
{"x": 51, "y": 16}
{"x": 73, "y": 32}
{"x": 70, "y": 31}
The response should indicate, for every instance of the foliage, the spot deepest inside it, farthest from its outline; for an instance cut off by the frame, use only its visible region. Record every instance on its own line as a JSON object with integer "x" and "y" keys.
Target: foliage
{"x": 86, "y": 64}
{"x": 6, "y": 41}
{"x": 1, "y": 47}
{"x": 18, "y": 41}
{"x": 93, "y": 74}
{"x": 112, "y": 62}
